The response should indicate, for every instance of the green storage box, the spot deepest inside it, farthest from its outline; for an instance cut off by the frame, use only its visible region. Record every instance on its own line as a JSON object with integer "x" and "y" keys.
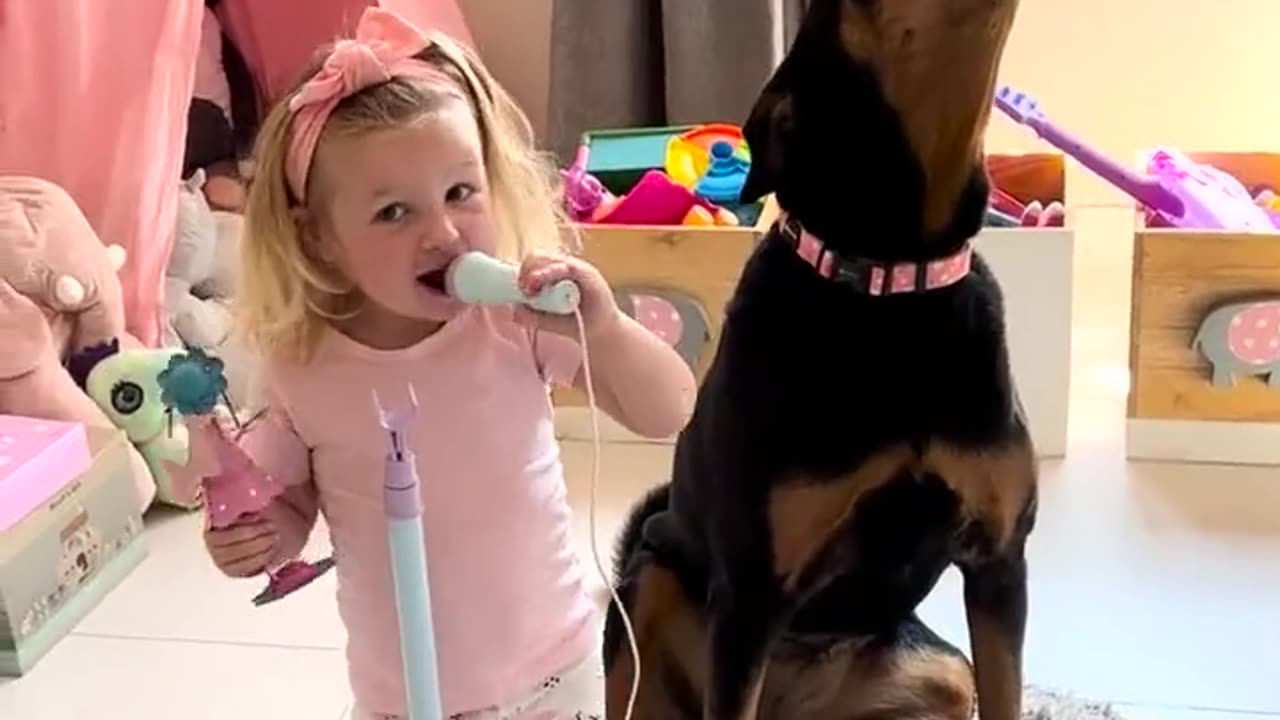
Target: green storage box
{"x": 619, "y": 158}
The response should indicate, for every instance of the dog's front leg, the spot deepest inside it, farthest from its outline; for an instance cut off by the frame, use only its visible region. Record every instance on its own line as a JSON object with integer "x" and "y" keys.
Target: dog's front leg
{"x": 995, "y": 598}
{"x": 744, "y": 614}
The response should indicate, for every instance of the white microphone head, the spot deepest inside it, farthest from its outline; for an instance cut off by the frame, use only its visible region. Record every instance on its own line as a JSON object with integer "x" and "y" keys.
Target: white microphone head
{"x": 478, "y": 279}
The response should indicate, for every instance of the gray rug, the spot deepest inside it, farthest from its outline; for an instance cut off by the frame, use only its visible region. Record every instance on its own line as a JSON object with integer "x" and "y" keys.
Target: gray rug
{"x": 1044, "y": 704}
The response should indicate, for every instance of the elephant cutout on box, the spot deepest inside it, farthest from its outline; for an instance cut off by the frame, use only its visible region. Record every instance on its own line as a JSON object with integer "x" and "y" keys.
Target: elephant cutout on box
{"x": 1242, "y": 338}
{"x": 675, "y": 317}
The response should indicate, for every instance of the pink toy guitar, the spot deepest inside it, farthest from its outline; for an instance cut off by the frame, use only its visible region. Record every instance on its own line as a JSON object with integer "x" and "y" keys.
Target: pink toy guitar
{"x": 1183, "y": 193}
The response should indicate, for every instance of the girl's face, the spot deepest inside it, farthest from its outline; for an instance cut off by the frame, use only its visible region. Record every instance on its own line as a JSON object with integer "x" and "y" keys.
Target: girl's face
{"x": 400, "y": 204}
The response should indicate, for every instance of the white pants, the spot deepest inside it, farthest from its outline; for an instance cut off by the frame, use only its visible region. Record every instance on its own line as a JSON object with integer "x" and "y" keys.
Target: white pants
{"x": 575, "y": 694}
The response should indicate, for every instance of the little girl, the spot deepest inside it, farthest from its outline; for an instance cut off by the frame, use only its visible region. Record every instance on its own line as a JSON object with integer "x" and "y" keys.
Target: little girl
{"x": 396, "y": 155}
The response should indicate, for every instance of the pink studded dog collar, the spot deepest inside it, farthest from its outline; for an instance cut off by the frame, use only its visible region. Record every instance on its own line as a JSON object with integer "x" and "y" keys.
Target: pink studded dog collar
{"x": 869, "y": 276}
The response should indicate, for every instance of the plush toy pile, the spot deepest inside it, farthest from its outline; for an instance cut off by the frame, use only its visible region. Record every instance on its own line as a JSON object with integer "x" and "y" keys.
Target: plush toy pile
{"x": 200, "y": 282}
{"x": 59, "y": 299}
{"x": 67, "y": 356}
{"x": 216, "y": 171}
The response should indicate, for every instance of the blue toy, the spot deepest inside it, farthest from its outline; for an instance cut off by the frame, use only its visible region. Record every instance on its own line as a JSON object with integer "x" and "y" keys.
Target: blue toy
{"x": 722, "y": 182}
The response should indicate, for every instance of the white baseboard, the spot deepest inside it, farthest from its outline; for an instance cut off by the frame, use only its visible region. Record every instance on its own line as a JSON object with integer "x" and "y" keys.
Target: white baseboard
{"x": 1203, "y": 441}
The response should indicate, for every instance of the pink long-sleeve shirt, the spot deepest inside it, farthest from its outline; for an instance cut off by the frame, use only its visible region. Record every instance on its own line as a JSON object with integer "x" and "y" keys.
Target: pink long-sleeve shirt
{"x": 509, "y": 600}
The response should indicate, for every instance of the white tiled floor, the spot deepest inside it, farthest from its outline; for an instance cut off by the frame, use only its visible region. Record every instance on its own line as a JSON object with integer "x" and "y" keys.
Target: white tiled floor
{"x": 1153, "y": 586}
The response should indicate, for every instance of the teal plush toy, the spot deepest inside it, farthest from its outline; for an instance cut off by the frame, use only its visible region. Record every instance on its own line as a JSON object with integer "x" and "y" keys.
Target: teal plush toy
{"x": 123, "y": 382}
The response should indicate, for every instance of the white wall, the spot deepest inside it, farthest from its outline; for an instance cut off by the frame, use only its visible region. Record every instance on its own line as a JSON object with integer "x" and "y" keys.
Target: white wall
{"x": 514, "y": 36}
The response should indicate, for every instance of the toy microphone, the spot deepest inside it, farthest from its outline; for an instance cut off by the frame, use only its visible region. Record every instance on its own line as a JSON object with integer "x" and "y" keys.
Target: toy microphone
{"x": 403, "y": 505}
{"x": 478, "y": 279}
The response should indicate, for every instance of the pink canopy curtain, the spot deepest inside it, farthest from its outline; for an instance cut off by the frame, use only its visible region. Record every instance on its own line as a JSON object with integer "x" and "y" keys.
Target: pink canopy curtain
{"x": 93, "y": 97}
{"x": 277, "y": 38}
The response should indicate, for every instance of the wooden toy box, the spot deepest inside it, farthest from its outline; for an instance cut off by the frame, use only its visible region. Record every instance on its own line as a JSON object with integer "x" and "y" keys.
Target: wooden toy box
{"x": 1183, "y": 406}
{"x": 64, "y": 556}
{"x": 701, "y": 264}
{"x": 1035, "y": 267}
{"x": 1036, "y": 271}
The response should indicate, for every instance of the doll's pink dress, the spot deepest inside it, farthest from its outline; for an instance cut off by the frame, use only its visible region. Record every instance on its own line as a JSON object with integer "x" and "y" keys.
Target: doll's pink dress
{"x": 238, "y": 486}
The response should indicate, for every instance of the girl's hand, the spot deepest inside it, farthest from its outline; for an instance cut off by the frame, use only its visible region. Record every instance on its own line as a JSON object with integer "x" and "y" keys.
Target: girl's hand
{"x": 246, "y": 548}
{"x": 600, "y": 312}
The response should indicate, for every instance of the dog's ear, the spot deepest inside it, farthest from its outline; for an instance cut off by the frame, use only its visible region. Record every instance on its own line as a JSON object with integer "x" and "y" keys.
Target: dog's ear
{"x": 765, "y": 132}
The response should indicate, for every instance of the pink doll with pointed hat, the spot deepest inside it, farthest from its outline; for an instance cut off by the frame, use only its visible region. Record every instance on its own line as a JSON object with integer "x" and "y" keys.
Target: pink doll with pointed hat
{"x": 232, "y": 485}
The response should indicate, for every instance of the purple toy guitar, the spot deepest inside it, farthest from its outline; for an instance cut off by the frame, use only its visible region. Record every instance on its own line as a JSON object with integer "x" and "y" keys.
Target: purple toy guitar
{"x": 1183, "y": 193}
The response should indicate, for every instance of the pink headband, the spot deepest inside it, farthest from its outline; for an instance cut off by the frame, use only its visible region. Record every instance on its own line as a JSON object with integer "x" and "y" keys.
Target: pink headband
{"x": 383, "y": 49}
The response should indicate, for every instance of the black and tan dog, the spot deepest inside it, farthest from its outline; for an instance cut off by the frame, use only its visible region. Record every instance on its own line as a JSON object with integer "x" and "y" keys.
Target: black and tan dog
{"x": 859, "y": 431}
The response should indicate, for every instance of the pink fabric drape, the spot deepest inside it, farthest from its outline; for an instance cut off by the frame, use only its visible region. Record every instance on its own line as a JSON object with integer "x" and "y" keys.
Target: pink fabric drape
{"x": 277, "y": 39}
{"x": 93, "y": 97}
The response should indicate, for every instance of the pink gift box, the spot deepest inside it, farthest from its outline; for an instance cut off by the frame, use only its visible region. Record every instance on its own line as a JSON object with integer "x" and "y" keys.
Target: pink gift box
{"x": 37, "y": 459}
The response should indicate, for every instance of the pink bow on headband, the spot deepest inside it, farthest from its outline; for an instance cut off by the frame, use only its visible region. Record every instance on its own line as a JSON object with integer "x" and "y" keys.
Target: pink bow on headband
{"x": 383, "y": 48}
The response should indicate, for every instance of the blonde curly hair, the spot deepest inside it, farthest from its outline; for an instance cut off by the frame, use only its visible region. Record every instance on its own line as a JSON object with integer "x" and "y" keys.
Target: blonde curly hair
{"x": 285, "y": 296}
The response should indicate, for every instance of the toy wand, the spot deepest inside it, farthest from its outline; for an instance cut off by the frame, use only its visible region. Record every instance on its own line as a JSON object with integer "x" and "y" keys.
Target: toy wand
{"x": 233, "y": 485}
{"x": 403, "y": 502}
